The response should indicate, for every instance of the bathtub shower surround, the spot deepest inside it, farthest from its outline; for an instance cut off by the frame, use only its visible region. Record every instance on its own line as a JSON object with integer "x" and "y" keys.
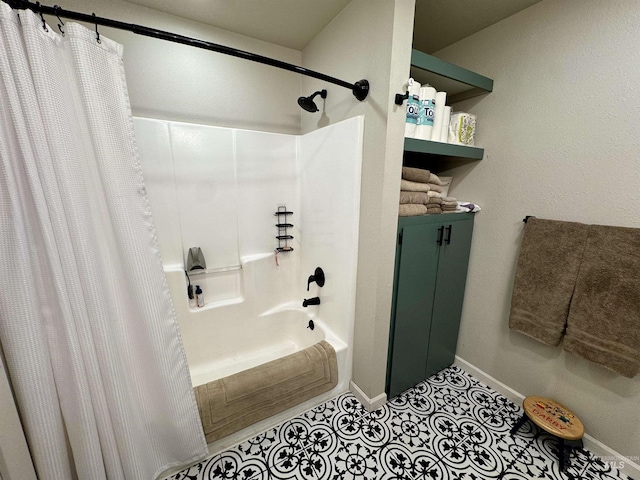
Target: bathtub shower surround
{"x": 219, "y": 188}
{"x": 87, "y": 327}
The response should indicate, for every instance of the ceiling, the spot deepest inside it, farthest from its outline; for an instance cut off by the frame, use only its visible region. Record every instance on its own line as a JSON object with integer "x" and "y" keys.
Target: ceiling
{"x": 290, "y": 23}
{"x": 294, "y": 23}
{"x": 440, "y": 23}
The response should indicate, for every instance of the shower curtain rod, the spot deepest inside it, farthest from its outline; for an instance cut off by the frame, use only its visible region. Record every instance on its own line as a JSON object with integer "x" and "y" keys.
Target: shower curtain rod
{"x": 360, "y": 89}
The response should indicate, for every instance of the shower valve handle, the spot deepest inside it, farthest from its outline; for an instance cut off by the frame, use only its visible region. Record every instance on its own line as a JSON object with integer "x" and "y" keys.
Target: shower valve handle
{"x": 318, "y": 277}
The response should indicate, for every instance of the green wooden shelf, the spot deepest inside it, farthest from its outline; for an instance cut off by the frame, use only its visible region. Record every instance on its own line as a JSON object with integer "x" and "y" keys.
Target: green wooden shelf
{"x": 460, "y": 84}
{"x": 444, "y": 149}
{"x": 475, "y": 84}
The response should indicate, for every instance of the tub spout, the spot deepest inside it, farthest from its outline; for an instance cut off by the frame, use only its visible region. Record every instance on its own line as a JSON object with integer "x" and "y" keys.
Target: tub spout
{"x": 311, "y": 301}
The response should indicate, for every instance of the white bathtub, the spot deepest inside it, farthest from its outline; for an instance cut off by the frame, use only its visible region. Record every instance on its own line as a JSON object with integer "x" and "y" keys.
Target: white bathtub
{"x": 251, "y": 316}
{"x": 277, "y": 334}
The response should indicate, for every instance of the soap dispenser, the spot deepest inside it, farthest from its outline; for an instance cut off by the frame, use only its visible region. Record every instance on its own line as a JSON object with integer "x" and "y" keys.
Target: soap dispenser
{"x": 199, "y": 297}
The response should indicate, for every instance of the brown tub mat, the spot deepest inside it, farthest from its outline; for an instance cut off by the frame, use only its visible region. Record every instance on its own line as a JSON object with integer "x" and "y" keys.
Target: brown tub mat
{"x": 232, "y": 403}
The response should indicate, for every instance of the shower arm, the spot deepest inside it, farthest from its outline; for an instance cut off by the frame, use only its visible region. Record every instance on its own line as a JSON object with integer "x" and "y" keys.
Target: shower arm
{"x": 360, "y": 89}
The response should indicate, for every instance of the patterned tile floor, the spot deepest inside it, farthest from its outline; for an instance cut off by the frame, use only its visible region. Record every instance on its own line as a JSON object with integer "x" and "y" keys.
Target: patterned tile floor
{"x": 449, "y": 427}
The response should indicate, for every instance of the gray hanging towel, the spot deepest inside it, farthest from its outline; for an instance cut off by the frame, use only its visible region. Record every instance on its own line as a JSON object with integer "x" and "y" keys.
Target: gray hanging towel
{"x": 546, "y": 273}
{"x": 604, "y": 318}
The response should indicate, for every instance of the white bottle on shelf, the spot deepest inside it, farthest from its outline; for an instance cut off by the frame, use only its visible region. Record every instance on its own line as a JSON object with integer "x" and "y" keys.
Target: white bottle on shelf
{"x": 444, "y": 135}
{"x": 199, "y": 297}
{"x": 424, "y": 128}
{"x": 413, "y": 109}
{"x": 438, "y": 117}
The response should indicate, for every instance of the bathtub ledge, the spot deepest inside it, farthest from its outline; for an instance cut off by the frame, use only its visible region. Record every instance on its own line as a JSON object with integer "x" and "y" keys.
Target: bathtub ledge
{"x": 218, "y": 304}
{"x": 283, "y": 307}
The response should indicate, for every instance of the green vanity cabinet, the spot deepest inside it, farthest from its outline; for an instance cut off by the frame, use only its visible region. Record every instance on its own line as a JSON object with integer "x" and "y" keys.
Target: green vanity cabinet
{"x": 432, "y": 255}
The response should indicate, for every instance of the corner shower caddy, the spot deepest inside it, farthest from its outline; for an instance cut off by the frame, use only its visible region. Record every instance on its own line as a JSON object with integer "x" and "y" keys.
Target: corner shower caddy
{"x": 283, "y": 226}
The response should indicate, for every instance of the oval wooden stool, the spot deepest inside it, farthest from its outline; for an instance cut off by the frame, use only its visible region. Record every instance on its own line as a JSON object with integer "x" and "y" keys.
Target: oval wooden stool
{"x": 556, "y": 419}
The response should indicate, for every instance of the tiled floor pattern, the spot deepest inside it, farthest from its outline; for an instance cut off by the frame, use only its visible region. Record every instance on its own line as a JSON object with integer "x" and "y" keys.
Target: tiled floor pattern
{"x": 449, "y": 427}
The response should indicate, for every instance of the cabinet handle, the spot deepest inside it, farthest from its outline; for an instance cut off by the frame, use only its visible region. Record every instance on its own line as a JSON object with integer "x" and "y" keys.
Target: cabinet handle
{"x": 448, "y": 239}
{"x": 440, "y": 235}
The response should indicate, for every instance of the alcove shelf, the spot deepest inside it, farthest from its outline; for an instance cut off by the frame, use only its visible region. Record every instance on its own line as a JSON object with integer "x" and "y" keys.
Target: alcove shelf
{"x": 416, "y": 145}
{"x": 460, "y": 84}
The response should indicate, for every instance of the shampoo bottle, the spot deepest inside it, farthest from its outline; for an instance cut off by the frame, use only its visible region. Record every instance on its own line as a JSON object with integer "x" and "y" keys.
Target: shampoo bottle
{"x": 199, "y": 296}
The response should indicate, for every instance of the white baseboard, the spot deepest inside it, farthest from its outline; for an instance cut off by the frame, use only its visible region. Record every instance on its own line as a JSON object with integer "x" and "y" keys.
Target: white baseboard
{"x": 596, "y": 447}
{"x": 497, "y": 385}
{"x": 370, "y": 404}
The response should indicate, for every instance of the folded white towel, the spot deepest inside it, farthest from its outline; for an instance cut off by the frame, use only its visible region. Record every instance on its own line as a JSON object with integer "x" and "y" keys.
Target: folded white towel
{"x": 466, "y": 207}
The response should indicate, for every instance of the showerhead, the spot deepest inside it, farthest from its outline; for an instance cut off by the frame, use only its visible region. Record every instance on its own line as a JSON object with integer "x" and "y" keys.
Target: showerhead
{"x": 308, "y": 104}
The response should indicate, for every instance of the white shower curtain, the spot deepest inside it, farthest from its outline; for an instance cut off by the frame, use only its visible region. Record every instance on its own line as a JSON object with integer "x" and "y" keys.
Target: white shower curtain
{"x": 87, "y": 326}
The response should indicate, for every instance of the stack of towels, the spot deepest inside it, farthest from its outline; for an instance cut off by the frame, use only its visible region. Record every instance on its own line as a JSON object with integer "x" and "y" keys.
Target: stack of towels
{"x": 449, "y": 205}
{"x": 421, "y": 194}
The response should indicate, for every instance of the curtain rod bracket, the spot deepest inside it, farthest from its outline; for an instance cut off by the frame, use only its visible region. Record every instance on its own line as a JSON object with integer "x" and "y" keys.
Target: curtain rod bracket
{"x": 361, "y": 89}
{"x": 401, "y": 98}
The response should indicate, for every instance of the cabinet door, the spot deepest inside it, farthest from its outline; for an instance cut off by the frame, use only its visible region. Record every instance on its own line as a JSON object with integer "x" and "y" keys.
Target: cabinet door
{"x": 449, "y": 293}
{"x": 413, "y": 306}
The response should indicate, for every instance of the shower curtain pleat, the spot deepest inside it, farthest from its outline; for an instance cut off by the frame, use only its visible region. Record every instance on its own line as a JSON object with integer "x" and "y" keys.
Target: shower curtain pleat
{"x": 87, "y": 326}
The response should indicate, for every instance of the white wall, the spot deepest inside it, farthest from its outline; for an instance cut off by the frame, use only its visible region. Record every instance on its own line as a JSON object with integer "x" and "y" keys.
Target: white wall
{"x": 267, "y": 178}
{"x": 369, "y": 39}
{"x": 561, "y": 142}
{"x": 216, "y": 188}
{"x": 182, "y": 83}
{"x": 329, "y": 162}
